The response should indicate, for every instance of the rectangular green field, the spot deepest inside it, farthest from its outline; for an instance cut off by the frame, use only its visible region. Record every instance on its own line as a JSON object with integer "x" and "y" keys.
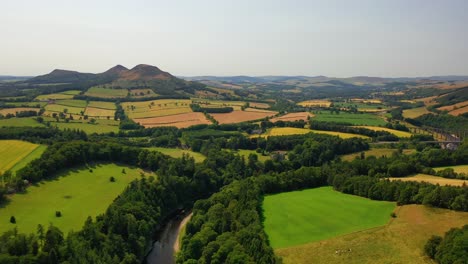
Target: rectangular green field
{"x": 106, "y": 92}
{"x": 56, "y": 96}
{"x": 72, "y": 92}
{"x": 13, "y": 151}
{"x": 74, "y": 103}
{"x": 299, "y": 217}
{"x": 358, "y": 119}
{"x": 27, "y": 104}
{"x": 20, "y": 122}
{"x": 98, "y": 128}
{"x": 35, "y": 154}
{"x": 177, "y": 153}
{"x": 76, "y": 193}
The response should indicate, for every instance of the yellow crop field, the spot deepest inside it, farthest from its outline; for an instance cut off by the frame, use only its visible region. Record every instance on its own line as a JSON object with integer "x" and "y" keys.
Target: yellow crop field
{"x": 13, "y": 111}
{"x": 318, "y": 103}
{"x": 13, "y": 151}
{"x": 293, "y": 117}
{"x": 415, "y": 112}
{"x": 286, "y": 131}
{"x": 377, "y": 152}
{"x": 432, "y": 179}
{"x": 457, "y": 169}
{"x": 398, "y": 133}
{"x": 99, "y": 112}
{"x": 104, "y": 105}
{"x": 56, "y": 96}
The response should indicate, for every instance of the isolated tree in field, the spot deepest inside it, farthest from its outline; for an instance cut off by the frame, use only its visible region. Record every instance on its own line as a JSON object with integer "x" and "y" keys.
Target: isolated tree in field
{"x": 12, "y": 220}
{"x": 123, "y": 171}
{"x": 112, "y": 179}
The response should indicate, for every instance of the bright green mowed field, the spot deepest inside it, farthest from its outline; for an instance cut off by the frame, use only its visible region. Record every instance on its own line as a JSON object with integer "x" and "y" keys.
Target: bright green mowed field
{"x": 77, "y": 194}
{"x": 355, "y": 119}
{"x": 177, "y": 153}
{"x": 299, "y": 217}
{"x": 35, "y": 154}
{"x": 20, "y": 122}
{"x": 87, "y": 128}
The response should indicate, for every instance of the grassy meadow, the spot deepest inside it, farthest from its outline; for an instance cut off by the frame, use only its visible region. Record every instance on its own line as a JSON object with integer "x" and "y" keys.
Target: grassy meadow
{"x": 99, "y": 128}
{"x": 177, "y": 153}
{"x": 358, "y": 119}
{"x": 299, "y": 217}
{"x": 377, "y": 152}
{"x": 20, "y": 122}
{"x": 106, "y": 92}
{"x": 13, "y": 152}
{"x": 400, "y": 241}
{"x": 76, "y": 193}
{"x": 415, "y": 112}
{"x": 35, "y": 154}
{"x": 432, "y": 179}
{"x": 286, "y": 131}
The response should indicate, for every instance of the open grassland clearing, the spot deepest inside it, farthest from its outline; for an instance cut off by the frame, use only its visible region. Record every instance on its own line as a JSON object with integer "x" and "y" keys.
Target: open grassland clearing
{"x": 315, "y": 103}
{"x": 457, "y": 169}
{"x": 106, "y": 92}
{"x": 376, "y": 152}
{"x": 103, "y": 105}
{"x": 20, "y": 122}
{"x": 178, "y": 153}
{"x": 155, "y": 108}
{"x": 242, "y": 116}
{"x": 13, "y": 151}
{"x": 76, "y": 193}
{"x": 88, "y": 128}
{"x": 299, "y": 217}
{"x": 15, "y": 110}
{"x": 179, "y": 120}
{"x": 400, "y": 241}
{"x": 286, "y": 131}
{"x": 54, "y": 96}
{"x": 357, "y": 119}
{"x": 56, "y": 108}
{"x": 27, "y": 104}
{"x": 293, "y": 117}
{"x": 432, "y": 180}
{"x": 398, "y": 133}
{"x": 415, "y": 112}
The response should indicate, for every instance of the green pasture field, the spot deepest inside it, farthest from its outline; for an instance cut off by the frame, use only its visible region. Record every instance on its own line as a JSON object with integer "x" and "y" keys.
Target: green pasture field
{"x": 13, "y": 151}
{"x": 103, "y": 105}
{"x": 415, "y": 112}
{"x": 74, "y": 103}
{"x": 20, "y": 122}
{"x": 360, "y": 105}
{"x": 72, "y": 92}
{"x": 299, "y": 217}
{"x": 77, "y": 193}
{"x": 246, "y": 152}
{"x": 61, "y": 108}
{"x": 177, "y": 153}
{"x": 55, "y": 96}
{"x": 106, "y": 92}
{"x": 358, "y": 119}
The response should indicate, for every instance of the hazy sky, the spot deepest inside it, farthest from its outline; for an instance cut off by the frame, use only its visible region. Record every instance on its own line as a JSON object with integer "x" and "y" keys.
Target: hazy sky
{"x": 239, "y": 37}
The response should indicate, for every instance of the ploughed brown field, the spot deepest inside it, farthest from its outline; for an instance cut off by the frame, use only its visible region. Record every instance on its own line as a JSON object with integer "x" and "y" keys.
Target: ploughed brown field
{"x": 292, "y": 117}
{"x": 459, "y": 111}
{"x": 242, "y": 116}
{"x": 180, "y": 120}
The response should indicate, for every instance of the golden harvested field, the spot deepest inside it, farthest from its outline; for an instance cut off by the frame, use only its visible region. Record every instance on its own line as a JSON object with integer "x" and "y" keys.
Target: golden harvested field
{"x": 400, "y": 241}
{"x": 292, "y": 117}
{"x": 13, "y": 151}
{"x": 457, "y": 169}
{"x": 99, "y": 112}
{"x": 238, "y": 116}
{"x": 286, "y": 131}
{"x": 103, "y": 105}
{"x": 318, "y": 103}
{"x": 377, "y": 152}
{"x": 432, "y": 180}
{"x": 453, "y": 107}
{"x": 16, "y": 109}
{"x": 459, "y": 111}
{"x": 415, "y": 112}
{"x": 259, "y": 105}
{"x": 370, "y": 101}
{"x": 142, "y": 93}
{"x": 179, "y": 121}
{"x": 428, "y": 100}
{"x": 398, "y": 133}
{"x": 156, "y": 108}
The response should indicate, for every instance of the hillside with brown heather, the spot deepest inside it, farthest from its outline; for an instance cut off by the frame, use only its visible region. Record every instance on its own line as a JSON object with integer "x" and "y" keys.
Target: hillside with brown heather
{"x": 144, "y": 72}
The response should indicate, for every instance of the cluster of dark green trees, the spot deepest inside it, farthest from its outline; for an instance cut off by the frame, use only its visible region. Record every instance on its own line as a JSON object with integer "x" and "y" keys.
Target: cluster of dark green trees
{"x": 450, "y": 249}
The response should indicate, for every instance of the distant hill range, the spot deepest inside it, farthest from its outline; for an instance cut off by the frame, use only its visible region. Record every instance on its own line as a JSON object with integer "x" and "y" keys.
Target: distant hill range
{"x": 320, "y": 79}
{"x": 140, "y": 76}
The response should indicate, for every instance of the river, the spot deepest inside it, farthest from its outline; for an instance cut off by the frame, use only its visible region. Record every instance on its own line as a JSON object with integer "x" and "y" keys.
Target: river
{"x": 167, "y": 244}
